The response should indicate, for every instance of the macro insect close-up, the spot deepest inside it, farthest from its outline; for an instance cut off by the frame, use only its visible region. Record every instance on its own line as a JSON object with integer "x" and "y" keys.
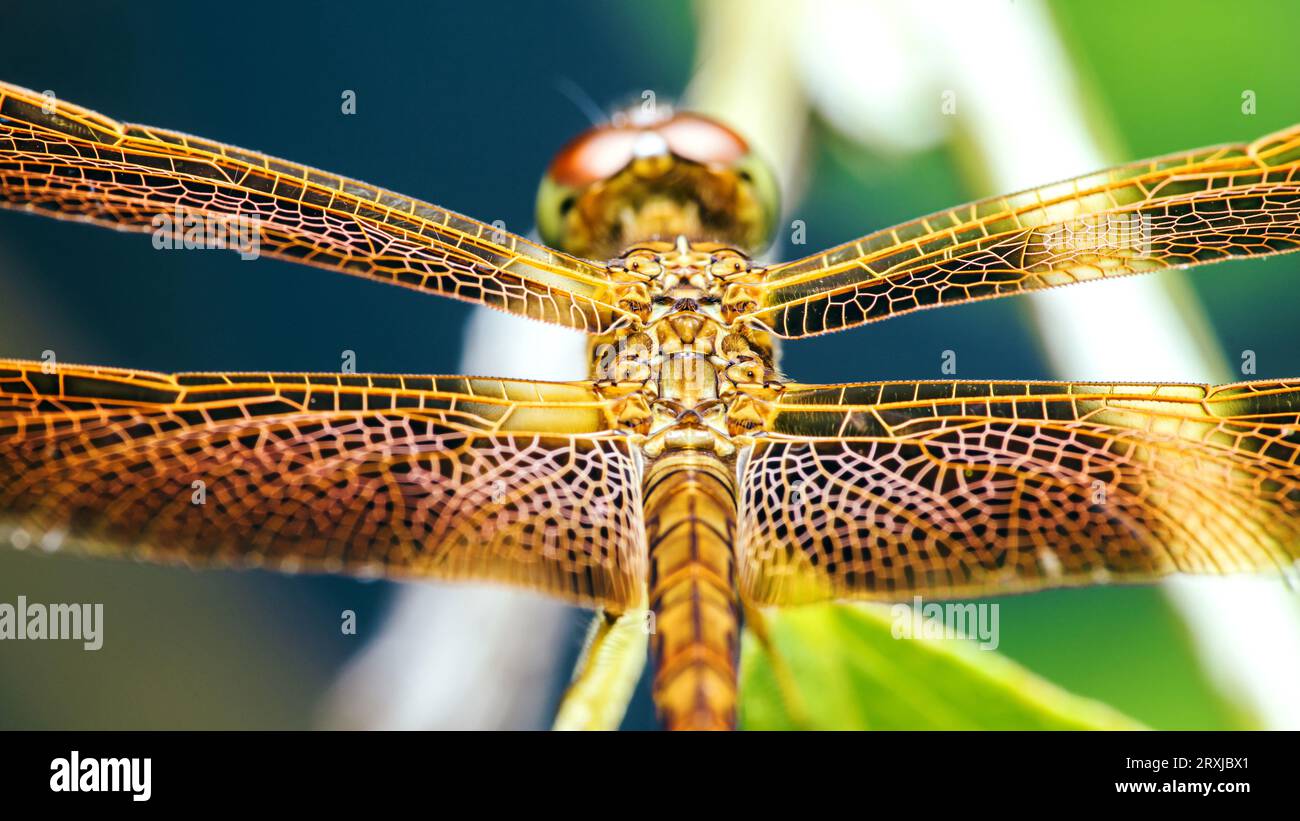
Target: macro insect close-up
{"x": 692, "y": 488}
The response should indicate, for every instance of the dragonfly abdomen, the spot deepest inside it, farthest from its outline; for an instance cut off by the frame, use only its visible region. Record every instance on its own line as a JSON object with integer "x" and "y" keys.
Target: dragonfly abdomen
{"x": 690, "y": 506}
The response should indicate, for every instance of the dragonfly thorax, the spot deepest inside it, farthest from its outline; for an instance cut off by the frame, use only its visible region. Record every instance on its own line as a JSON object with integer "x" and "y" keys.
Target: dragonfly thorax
{"x": 688, "y": 372}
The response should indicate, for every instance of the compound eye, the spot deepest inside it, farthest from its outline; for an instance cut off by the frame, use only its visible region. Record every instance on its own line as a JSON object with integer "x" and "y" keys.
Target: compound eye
{"x": 702, "y": 140}
{"x": 601, "y": 152}
{"x": 608, "y": 174}
{"x": 592, "y": 156}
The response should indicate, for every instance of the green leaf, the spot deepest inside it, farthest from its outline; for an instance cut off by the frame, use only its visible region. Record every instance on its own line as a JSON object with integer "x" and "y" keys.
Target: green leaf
{"x": 843, "y": 669}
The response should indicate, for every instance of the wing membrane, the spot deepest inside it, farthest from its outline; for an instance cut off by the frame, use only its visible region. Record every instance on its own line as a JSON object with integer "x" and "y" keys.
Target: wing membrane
{"x": 67, "y": 162}
{"x": 398, "y": 476}
{"x": 881, "y": 490}
{"x": 1175, "y": 211}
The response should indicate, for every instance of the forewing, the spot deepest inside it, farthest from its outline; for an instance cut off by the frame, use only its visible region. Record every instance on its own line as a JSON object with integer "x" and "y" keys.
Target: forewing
{"x": 1175, "y": 211}
{"x": 393, "y": 476}
{"x": 884, "y": 490}
{"x": 65, "y": 161}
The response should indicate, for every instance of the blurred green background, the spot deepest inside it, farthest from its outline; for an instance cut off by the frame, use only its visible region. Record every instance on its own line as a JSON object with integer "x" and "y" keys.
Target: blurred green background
{"x": 458, "y": 105}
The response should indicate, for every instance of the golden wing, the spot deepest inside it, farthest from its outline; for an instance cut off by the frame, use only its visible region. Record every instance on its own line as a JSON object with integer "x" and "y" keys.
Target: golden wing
{"x": 399, "y": 476}
{"x": 71, "y": 163}
{"x": 881, "y": 490}
{"x": 1175, "y": 211}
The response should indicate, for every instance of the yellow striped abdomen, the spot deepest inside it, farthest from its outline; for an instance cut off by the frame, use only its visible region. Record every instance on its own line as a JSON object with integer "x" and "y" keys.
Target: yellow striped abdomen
{"x": 690, "y": 506}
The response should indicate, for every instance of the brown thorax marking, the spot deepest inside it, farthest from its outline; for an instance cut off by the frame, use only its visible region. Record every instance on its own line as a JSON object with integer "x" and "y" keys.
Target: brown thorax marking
{"x": 687, "y": 373}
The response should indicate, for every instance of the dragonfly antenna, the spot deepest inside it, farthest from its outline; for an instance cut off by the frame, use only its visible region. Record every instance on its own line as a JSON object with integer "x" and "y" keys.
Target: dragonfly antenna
{"x": 581, "y": 99}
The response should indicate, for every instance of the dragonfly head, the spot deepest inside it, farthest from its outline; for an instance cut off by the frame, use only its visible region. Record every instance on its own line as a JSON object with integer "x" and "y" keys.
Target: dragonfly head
{"x": 647, "y": 176}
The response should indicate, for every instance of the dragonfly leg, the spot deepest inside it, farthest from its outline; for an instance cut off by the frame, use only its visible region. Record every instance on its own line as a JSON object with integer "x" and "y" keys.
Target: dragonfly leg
{"x": 757, "y": 624}
{"x": 607, "y": 671}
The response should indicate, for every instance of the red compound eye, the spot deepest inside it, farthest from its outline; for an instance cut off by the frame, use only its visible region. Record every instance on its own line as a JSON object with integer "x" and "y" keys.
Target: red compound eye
{"x": 593, "y": 155}
{"x": 603, "y": 151}
{"x": 702, "y": 140}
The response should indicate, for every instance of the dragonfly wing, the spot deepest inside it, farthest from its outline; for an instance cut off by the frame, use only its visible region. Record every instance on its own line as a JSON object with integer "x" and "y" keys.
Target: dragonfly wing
{"x": 1176, "y": 211}
{"x": 65, "y": 161}
{"x": 392, "y": 476}
{"x": 883, "y": 490}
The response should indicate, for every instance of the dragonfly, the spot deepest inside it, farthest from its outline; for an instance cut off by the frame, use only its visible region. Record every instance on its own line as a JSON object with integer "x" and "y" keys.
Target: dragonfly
{"x": 688, "y": 477}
